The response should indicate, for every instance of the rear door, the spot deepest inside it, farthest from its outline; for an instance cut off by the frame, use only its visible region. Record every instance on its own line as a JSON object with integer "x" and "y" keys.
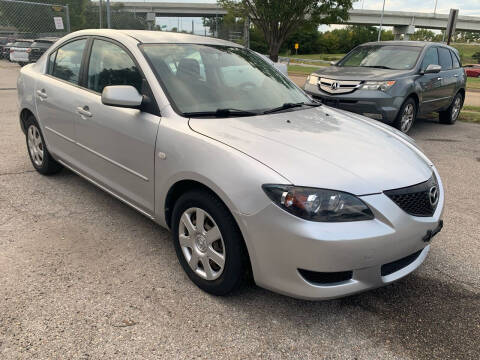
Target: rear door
{"x": 56, "y": 95}
{"x": 116, "y": 146}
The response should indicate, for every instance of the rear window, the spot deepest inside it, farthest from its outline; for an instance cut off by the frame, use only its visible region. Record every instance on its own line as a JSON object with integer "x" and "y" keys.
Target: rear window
{"x": 42, "y": 44}
{"x": 22, "y": 44}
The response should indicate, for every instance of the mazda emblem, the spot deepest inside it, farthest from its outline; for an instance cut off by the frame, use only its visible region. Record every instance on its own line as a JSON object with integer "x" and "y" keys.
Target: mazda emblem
{"x": 433, "y": 196}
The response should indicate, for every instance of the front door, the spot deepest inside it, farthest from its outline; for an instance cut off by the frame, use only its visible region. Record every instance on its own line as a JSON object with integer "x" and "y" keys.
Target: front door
{"x": 432, "y": 91}
{"x": 116, "y": 145}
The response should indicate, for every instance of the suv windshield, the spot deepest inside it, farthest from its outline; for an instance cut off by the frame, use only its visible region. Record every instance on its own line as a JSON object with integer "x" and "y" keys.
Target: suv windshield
{"x": 397, "y": 57}
{"x": 205, "y": 78}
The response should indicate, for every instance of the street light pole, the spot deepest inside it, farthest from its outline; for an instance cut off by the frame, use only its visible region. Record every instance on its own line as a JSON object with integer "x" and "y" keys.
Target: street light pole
{"x": 100, "y": 14}
{"x": 381, "y": 22}
{"x": 109, "y": 24}
{"x": 435, "y": 10}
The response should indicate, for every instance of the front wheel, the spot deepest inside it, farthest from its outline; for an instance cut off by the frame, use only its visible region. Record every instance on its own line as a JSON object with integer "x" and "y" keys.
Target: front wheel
{"x": 208, "y": 243}
{"x": 406, "y": 116}
{"x": 450, "y": 115}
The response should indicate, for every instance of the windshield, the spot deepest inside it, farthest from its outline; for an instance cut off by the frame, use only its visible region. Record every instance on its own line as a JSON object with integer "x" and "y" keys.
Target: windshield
{"x": 206, "y": 78}
{"x": 397, "y": 57}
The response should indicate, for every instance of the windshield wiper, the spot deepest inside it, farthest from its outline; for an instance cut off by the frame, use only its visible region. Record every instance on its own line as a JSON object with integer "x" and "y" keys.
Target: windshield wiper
{"x": 287, "y": 106}
{"x": 379, "y": 67}
{"x": 221, "y": 113}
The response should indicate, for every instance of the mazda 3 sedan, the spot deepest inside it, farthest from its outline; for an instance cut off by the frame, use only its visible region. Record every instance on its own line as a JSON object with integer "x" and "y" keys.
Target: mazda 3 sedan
{"x": 251, "y": 176}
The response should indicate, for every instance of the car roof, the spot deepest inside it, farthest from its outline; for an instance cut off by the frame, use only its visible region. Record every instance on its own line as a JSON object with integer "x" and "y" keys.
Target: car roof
{"x": 23, "y": 40}
{"x": 407, "y": 43}
{"x": 156, "y": 37}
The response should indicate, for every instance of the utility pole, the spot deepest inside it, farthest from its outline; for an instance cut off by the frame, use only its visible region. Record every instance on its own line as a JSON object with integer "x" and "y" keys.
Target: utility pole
{"x": 193, "y": 28}
{"x": 435, "y": 9}
{"x": 381, "y": 22}
{"x": 109, "y": 24}
{"x": 100, "y": 14}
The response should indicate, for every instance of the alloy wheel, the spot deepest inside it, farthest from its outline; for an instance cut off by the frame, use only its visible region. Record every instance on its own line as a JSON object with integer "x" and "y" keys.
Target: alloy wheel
{"x": 407, "y": 118}
{"x": 202, "y": 243}
{"x": 35, "y": 145}
{"x": 457, "y": 104}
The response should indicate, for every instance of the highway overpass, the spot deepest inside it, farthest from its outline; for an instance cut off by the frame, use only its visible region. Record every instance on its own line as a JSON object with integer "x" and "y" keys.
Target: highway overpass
{"x": 403, "y": 22}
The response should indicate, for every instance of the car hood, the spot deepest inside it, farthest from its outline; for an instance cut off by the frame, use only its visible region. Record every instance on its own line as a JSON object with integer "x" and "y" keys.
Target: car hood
{"x": 360, "y": 73}
{"x": 324, "y": 147}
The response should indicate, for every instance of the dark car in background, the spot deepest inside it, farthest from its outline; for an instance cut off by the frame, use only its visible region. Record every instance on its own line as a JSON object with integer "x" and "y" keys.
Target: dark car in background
{"x": 394, "y": 81}
{"x": 38, "y": 47}
{"x": 5, "y": 43}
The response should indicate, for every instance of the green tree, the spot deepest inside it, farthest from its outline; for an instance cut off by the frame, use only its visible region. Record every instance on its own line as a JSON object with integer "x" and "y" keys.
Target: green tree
{"x": 476, "y": 56}
{"x": 278, "y": 19}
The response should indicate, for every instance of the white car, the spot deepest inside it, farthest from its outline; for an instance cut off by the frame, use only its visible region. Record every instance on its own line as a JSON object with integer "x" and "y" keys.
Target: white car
{"x": 20, "y": 50}
{"x": 207, "y": 139}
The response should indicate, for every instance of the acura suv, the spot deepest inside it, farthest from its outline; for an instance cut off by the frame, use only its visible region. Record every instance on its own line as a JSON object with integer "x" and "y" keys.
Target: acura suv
{"x": 394, "y": 81}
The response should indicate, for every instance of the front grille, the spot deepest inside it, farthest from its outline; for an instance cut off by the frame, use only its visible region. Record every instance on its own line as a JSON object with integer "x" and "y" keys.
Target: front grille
{"x": 396, "y": 265}
{"x": 332, "y": 86}
{"x": 325, "y": 278}
{"x": 417, "y": 200}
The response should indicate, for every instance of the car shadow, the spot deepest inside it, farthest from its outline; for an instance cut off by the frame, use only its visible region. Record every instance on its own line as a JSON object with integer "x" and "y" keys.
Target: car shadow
{"x": 420, "y": 316}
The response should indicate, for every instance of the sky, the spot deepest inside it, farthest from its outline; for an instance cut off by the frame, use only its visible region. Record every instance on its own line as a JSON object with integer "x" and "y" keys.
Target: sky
{"x": 466, "y": 7}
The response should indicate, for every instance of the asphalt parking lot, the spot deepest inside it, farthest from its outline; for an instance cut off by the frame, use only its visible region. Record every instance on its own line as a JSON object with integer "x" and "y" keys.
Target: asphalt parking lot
{"x": 83, "y": 276}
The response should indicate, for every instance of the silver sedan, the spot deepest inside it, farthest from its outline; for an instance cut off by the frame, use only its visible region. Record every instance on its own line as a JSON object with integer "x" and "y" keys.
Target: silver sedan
{"x": 208, "y": 139}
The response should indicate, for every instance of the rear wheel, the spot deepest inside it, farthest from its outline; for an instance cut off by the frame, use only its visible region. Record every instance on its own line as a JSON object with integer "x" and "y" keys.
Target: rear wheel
{"x": 450, "y": 115}
{"x": 208, "y": 243}
{"x": 406, "y": 116}
{"x": 41, "y": 159}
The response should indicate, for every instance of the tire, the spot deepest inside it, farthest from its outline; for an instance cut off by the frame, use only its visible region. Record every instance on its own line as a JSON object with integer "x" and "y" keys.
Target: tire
{"x": 41, "y": 159}
{"x": 450, "y": 115}
{"x": 406, "y": 116}
{"x": 194, "y": 245}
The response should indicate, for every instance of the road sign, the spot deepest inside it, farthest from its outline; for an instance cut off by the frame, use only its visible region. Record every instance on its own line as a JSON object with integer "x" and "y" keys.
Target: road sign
{"x": 58, "y": 23}
{"x": 57, "y": 8}
{"x": 296, "y": 46}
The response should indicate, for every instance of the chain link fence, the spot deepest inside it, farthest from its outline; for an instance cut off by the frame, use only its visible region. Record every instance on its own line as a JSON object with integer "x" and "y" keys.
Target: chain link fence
{"x": 32, "y": 19}
{"x": 25, "y": 19}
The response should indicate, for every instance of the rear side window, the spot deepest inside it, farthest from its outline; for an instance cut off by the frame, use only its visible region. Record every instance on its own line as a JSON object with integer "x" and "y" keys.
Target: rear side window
{"x": 456, "y": 62}
{"x": 68, "y": 61}
{"x": 431, "y": 57}
{"x": 445, "y": 58}
{"x": 111, "y": 65}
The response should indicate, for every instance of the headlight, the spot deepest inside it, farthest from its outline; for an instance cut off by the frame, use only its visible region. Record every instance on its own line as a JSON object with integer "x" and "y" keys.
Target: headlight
{"x": 377, "y": 85}
{"x": 318, "y": 204}
{"x": 312, "y": 79}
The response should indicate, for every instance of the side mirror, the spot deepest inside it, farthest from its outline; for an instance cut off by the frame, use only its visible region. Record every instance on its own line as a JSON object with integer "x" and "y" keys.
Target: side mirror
{"x": 432, "y": 69}
{"x": 122, "y": 96}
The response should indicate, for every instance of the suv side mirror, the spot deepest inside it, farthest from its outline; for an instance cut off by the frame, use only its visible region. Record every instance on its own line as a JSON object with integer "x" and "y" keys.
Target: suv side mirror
{"x": 122, "y": 96}
{"x": 432, "y": 69}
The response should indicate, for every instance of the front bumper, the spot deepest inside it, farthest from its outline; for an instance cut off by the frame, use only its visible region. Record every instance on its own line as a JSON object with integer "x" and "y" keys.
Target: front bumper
{"x": 375, "y": 104}
{"x": 281, "y": 244}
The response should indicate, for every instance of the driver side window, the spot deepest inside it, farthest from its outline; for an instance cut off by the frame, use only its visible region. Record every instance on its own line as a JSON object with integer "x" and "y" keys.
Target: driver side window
{"x": 431, "y": 57}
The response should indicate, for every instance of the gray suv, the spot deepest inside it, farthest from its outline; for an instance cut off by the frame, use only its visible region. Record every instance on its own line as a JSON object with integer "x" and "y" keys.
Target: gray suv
{"x": 394, "y": 81}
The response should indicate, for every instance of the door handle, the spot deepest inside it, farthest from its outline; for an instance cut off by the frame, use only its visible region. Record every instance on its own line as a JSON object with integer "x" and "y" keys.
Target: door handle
{"x": 439, "y": 78}
{"x": 84, "y": 111}
{"x": 42, "y": 94}
{"x": 455, "y": 75}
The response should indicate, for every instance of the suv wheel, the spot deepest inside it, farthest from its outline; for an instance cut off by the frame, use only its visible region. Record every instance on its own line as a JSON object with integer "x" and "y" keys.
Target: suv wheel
{"x": 41, "y": 159}
{"x": 450, "y": 115}
{"x": 406, "y": 116}
{"x": 208, "y": 243}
